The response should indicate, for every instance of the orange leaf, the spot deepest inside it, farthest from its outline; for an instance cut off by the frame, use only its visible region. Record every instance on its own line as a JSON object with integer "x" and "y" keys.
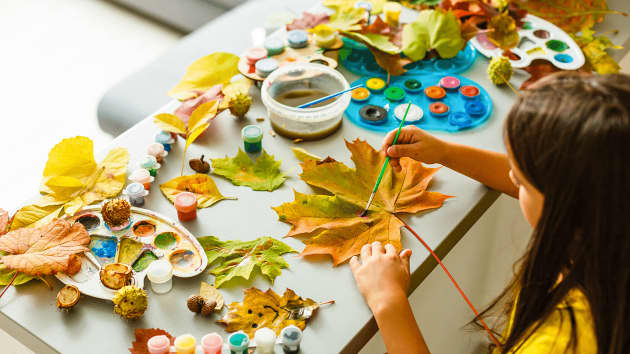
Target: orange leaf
{"x": 392, "y": 63}
{"x": 45, "y": 250}
{"x": 139, "y": 346}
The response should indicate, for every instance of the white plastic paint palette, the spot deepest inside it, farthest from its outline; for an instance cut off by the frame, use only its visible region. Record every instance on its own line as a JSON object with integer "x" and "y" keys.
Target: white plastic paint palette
{"x": 149, "y": 236}
{"x": 539, "y": 39}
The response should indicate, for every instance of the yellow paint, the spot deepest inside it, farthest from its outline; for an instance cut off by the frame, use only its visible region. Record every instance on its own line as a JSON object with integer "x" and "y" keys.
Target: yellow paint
{"x": 375, "y": 84}
{"x": 536, "y": 50}
{"x": 392, "y": 12}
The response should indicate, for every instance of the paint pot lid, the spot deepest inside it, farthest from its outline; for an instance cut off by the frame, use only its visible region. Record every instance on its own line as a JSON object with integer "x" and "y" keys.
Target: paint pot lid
{"x": 375, "y": 84}
{"x": 252, "y": 134}
{"x": 141, "y": 175}
{"x": 255, "y": 54}
{"x": 156, "y": 149}
{"x": 160, "y": 271}
{"x": 475, "y": 108}
{"x": 394, "y": 93}
{"x": 450, "y": 82}
{"x": 414, "y": 115}
{"x": 291, "y": 335}
{"x": 413, "y": 85}
{"x": 267, "y": 65}
{"x": 211, "y": 341}
{"x": 136, "y": 189}
{"x": 185, "y": 341}
{"x": 164, "y": 137}
{"x": 185, "y": 202}
{"x": 372, "y": 113}
{"x": 364, "y": 5}
{"x": 460, "y": 119}
{"x": 238, "y": 340}
{"x": 438, "y": 108}
{"x": 469, "y": 91}
{"x": 149, "y": 162}
{"x": 265, "y": 337}
{"x": 435, "y": 92}
{"x": 159, "y": 343}
{"x": 274, "y": 45}
{"x": 297, "y": 37}
{"x": 360, "y": 94}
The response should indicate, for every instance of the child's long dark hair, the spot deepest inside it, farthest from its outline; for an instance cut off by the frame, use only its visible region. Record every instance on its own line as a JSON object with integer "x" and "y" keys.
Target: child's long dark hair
{"x": 570, "y": 137}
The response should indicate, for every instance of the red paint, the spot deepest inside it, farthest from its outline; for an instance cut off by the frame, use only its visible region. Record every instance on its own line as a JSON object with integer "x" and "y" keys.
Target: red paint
{"x": 186, "y": 205}
{"x": 469, "y": 91}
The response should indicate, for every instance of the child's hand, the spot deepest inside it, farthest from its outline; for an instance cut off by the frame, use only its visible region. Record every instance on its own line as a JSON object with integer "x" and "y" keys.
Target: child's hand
{"x": 382, "y": 275}
{"x": 415, "y": 143}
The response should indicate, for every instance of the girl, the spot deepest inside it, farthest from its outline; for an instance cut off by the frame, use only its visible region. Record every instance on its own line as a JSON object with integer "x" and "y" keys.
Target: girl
{"x": 567, "y": 142}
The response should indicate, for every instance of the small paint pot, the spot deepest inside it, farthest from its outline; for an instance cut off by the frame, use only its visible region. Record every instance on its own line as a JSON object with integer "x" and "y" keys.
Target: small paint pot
{"x": 160, "y": 274}
{"x": 438, "y": 109}
{"x": 450, "y": 83}
{"x": 372, "y": 114}
{"x": 435, "y": 93}
{"x": 274, "y": 46}
{"x": 253, "y": 55}
{"x": 394, "y": 93}
{"x": 375, "y": 84}
{"x": 392, "y": 12}
{"x": 266, "y": 66}
{"x": 238, "y": 343}
{"x": 185, "y": 344}
{"x": 142, "y": 176}
{"x": 186, "y": 205}
{"x": 136, "y": 193}
{"x": 414, "y": 115}
{"x": 291, "y": 337}
{"x": 360, "y": 94}
{"x": 475, "y": 108}
{"x": 265, "y": 339}
{"x": 159, "y": 345}
{"x": 165, "y": 139}
{"x": 157, "y": 150}
{"x": 412, "y": 85}
{"x": 150, "y": 163}
{"x": 460, "y": 119}
{"x": 297, "y": 39}
{"x": 325, "y": 38}
{"x": 252, "y": 138}
{"x": 212, "y": 343}
{"x": 469, "y": 92}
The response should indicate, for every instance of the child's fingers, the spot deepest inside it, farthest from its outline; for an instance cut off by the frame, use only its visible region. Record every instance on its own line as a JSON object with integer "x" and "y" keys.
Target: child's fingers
{"x": 366, "y": 251}
{"x": 405, "y": 136}
{"x": 377, "y": 248}
{"x": 404, "y": 256}
{"x": 398, "y": 151}
{"x": 390, "y": 249}
{"x": 354, "y": 264}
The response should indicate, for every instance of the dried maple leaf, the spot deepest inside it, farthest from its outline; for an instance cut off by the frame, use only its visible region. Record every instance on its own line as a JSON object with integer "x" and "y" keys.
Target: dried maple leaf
{"x": 241, "y": 258}
{"x": 263, "y": 174}
{"x": 332, "y": 225}
{"x": 307, "y": 21}
{"x": 594, "y": 49}
{"x": 347, "y": 19}
{"x": 201, "y": 185}
{"x": 570, "y": 15}
{"x": 4, "y": 221}
{"x": 139, "y": 346}
{"x": 45, "y": 250}
{"x": 538, "y": 69}
{"x": 267, "y": 309}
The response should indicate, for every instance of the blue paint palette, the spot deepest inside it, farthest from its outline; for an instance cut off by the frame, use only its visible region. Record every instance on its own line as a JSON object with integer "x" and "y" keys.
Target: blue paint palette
{"x": 446, "y": 102}
{"x": 357, "y": 58}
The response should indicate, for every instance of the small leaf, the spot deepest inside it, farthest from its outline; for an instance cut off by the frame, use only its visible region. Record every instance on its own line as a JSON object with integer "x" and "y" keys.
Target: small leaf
{"x": 594, "y": 49}
{"x": 304, "y": 155}
{"x": 202, "y": 115}
{"x": 170, "y": 123}
{"x": 393, "y": 64}
{"x": 210, "y": 293}
{"x": 139, "y": 346}
{"x": 203, "y": 73}
{"x": 199, "y": 184}
{"x": 242, "y": 258}
{"x": 538, "y": 69}
{"x": 191, "y": 138}
{"x": 263, "y": 174}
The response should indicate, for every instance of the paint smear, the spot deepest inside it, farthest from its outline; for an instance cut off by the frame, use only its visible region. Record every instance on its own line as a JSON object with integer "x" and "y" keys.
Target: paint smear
{"x": 104, "y": 248}
{"x": 185, "y": 260}
{"x": 129, "y": 251}
{"x": 557, "y": 45}
{"x": 143, "y": 262}
{"x": 89, "y": 221}
{"x": 165, "y": 240}
{"x": 144, "y": 228}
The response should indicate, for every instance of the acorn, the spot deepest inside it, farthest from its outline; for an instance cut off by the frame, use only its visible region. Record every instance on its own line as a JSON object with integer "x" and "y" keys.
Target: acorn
{"x": 195, "y": 303}
{"x": 199, "y": 165}
{"x": 208, "y": 307}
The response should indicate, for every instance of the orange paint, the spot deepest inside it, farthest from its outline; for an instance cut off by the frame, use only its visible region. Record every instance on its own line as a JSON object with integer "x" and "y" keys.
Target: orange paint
{"x": 360, "y": 93}
{"x": 435, "y": 92}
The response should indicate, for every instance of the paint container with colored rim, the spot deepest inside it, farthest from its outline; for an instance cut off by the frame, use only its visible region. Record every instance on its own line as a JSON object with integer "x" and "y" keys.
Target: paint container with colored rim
{"x": 325, "y": 37}
{"x": 297, "y": 38}
{"x": 375, "y": 84}
{"x": 274, "y": 46}
{"x": 150, "y": 163}
{"x": 414, "y": 115}
{"x": 160, "y": 274}
{"x": 252, "y": 138}
{"x": 142, "y": 176}
{"x": 212, "y": 343}
{"x": 475, "y": 108}
{"x": 438, "y": 109}
{"x": 265, "y": 340}
{"x": 450, "y": 83}
{"x": 265, "y": 67}
{"x": 157, "y": 150}
{"x": 136, "y": 193}
{"x": 460, "y": 119}
{"x": 394, "y": 93}
{"x": 412, "y": 85}
{"x": 291, "y": 337}
{"x": 373, "y": 114}
{"x": 253, "y": 55}
{"x": 165, "y": 139}
{"x": 469, "y": 92}
{"x": 435, "y": 93}
{"x": 186, "y": 205}
{"x": 360, "y": 94}
{"x": 159, "y": 345}
{"x": 185, "y": 344}
{"x": 238, "y": 343}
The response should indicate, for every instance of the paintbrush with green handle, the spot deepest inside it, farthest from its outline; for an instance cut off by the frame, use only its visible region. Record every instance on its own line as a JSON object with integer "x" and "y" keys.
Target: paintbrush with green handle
{"x": 380, "y": 175}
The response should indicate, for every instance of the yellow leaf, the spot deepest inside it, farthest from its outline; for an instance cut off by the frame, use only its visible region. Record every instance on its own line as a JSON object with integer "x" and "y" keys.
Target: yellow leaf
{"x": 377, "y": 5}
{"x": 347, "y": 19}
{"x": 201, "y": 185}
{"x": 170, "y": 123}
{"x": 213, "y": 69}
{"x": 191, "y": 138}
{"x": 72, "y": 157}
{"x": 202, "y": 115}
{"x": 35, "y": 216}
{"x": 64, "y": 187}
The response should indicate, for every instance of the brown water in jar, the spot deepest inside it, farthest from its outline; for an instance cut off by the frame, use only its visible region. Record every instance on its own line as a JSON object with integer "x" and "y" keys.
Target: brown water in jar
{"x": 299, "y": 97}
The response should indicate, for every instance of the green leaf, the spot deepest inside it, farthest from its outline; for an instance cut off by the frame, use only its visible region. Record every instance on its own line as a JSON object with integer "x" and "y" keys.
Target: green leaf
{"x": 347, "y": 18}
{"x": 433, "y": 29}
{"x": 377, "y": 41}
{"x": 241, "y": 258}
{"x": 262, "y": 175}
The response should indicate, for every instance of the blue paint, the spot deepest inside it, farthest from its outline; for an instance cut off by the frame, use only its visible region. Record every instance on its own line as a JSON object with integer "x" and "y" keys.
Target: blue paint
{"x": 103, "y": 247}
{"x": 563, "y": 58}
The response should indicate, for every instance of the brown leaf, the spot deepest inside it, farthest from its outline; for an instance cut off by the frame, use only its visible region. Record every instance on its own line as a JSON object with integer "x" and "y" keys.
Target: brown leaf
{"x": 392, "y": 63}
{"x": 4, "y": 221}
{"x": 538, "y": 69}
{"x": 570, "y": 15}
{"x": 45, "y": 250}
{"x": 139, "y": 346}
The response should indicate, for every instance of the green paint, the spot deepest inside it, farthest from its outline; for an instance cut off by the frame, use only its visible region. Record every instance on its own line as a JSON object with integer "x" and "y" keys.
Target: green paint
{"x": 165, "y": 240}
{"x": 527, "y": 25}
{"x": 557, "y": 45}
{"x": 143, "y": 262}
{"x": 129, "y": 251}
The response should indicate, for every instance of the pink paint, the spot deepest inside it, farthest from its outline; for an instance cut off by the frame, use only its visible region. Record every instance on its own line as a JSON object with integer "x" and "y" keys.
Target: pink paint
{"x": 187, "y": 107}
{"x": 485, "y": 41}
{"x": 211, "y": 343}
{"x": 159, "y": 344}
{"x": 450, "y": 83}
{"x": 255, "y": 54}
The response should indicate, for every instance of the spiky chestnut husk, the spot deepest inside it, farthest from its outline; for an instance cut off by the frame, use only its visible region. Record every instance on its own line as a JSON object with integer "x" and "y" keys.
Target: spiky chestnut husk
{"x": 67, "y": 297}
{"x": 500, "y": 70}
{"x": 208, "y": 307}
{"x": 116, "y": 212}
{"x": 240, "y": 104}
{"x": 130, "y": 302}
{"x": 195, "y": 303}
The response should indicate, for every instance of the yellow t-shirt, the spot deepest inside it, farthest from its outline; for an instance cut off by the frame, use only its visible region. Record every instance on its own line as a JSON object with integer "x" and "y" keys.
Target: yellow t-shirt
{"x": 554, "y": 335}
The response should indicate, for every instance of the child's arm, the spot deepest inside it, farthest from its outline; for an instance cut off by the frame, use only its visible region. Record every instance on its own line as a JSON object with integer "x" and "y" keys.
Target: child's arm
{"x": 382, "y": 277}
{"x": 488, "y": 167}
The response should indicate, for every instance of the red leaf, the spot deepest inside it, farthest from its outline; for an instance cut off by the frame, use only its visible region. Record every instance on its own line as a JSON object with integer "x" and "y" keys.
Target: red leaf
{"x": 139, "y": 346}
{"x": 538, "y": 69}
{"x": 308, "y": 21}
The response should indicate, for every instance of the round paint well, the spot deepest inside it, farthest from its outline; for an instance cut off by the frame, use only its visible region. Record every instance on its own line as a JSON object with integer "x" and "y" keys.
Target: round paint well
{"x": 412, "y": 85}
{"x": 414, "y": 114}
{"x": 185, "y": 260}
{"x": 103, "y": 246}
{"x": 469, "y": 91}
{"x": 475, "y": 108}
{"x": 450, "y": 83}
{"x": 460, "y": 119}
{"x": 542, "y": 34}
{"x": 375, "y": 84}
{"x": 557, "y": 45}
{"x": 144, "y": 228}
{"x": 435, "y": 92}
{"x": 165, "y": 240}
{"x": 89, "y": 221}
{"x": 319, "y": 61}
{"x": 360, "y": 94}
{"x": 438, "y": 109}
{"x": 373, "y": 114}
{"x": 394, "y": 93}
{"x": 143, "y": 262}
{"x": 563, "y": 58}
